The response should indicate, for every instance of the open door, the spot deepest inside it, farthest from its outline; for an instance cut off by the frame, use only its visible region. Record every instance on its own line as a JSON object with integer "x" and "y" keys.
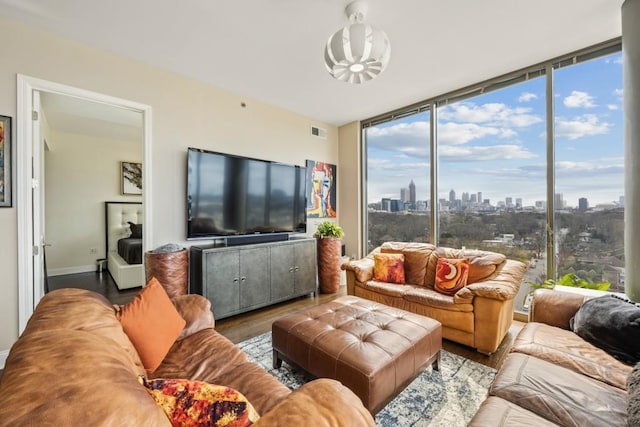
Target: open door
{"x": 37, "y": 197}
{"x": 30, "y": 182}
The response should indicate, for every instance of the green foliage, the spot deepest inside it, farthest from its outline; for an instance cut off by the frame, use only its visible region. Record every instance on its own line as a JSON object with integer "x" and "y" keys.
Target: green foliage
{"x": 573, "y": 281}
{"x": 328, "y": 229}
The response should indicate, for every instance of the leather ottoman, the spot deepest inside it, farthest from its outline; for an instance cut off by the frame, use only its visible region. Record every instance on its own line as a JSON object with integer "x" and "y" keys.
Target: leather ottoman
{"x": 373, "y": 349}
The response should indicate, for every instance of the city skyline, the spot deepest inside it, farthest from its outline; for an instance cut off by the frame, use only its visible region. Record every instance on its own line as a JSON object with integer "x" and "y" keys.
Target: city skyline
{"x": 496, "y": 142}
{"x": 468, "y": 198}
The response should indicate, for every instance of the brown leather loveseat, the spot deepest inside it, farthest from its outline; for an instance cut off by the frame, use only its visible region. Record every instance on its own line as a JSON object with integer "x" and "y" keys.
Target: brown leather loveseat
{"x": 74, "y": 365}
{"x": 478, "y": 315}
{"x": 554, "y": 377}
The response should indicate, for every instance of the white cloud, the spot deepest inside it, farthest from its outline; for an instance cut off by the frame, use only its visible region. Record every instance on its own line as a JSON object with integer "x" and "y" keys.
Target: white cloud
{"x": 483, "y": 153}
{"x": 618, "y": 93}
{"x": 460, "y": 133}
{"x": 581, "y": 126}
{"x": 493, "y": 113}
{"x": 527, "y": 96}
{"x": 612, "y": 107}
{"x": 579, "y": 99}
{"x": 590, "y": 168}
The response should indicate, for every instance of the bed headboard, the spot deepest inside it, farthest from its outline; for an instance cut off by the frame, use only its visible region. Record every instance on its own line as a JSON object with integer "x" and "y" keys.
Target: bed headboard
{"x": 117, "y": 217}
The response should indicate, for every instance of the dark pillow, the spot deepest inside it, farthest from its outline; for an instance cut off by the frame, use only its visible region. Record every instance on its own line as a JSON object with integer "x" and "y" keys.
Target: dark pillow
{"x": 633, "y": 390}
{"x": 611, "y": 323}
{"x": 136, "y": 230}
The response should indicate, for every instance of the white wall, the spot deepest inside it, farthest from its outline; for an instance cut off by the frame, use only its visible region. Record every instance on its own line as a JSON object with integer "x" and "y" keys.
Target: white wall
{"x": 185, "y": 113}
{"x": 81, "y": 173}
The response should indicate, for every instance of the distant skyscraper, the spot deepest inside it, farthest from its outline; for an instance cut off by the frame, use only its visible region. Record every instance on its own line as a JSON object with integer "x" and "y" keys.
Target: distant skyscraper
{"x": 583, "y": 204}
{"x": 508, "y": 201}
{"x": 519, "y": 203}
{"x": 412, "y": 193}
{"x": 452, "y": 196}
{"x": 558, "y": 201}
{"x": 479, "y": 196}
{"x": 404, "y": 194}
{"x": 465, "y": 198}
{"x": 385, "y": 205}
{"x": 473, "y": 199}
{"x": 396, "y": 205}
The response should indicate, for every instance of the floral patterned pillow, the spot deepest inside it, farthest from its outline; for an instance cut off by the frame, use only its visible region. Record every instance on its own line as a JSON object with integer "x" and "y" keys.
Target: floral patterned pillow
{"x": 388, "y": 268}
{"x": 197, "y": 403}
{"x": 451, "y": 275}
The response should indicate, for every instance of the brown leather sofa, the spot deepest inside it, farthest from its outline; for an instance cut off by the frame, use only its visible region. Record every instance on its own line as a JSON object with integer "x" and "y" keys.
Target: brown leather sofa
{"x": 74, "y": 365}
{"x": 478, "y": 315}
{"x": 554, "y": 377}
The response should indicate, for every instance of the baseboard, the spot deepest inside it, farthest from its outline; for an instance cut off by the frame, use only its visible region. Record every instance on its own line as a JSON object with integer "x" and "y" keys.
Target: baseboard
{"x": 3, "y": 357}
{"x": 70, "y": 270}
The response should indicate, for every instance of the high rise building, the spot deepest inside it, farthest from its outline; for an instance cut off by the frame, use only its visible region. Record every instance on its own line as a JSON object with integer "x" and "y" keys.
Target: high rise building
{"x": 412, "y": 193}
{"x": 583, "y": 204}
{"x": 508, "y": 201}
{"x": 385, "y": 205}
{"x": 473, "y": 198}
{"x": 479, "y": 197}
{"x": 559, "y": 202}
{"x": 404, "y": 194}
{"x": 452, "y": 196}
{"x": 465, "y": 198}
{"x": 519, "y": 203}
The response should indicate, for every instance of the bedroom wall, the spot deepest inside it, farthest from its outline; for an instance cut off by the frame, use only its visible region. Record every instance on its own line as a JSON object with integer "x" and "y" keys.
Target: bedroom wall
{"x": 81, "y": 173}
{"x": 185, "y": 113}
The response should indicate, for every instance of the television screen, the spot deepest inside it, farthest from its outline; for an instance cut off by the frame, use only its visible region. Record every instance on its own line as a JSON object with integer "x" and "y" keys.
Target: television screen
{"x": 231, "y": 195}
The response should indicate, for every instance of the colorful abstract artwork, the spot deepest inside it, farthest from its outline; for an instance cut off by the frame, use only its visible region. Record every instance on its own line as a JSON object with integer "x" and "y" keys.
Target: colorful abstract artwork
{"x": 321, "y": 189}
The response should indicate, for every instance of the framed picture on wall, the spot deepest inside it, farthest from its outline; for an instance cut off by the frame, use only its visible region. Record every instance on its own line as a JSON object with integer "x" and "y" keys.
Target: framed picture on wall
{"x": 5, "y": 162}
{"x": 321, "y": 189}
{"x": 131, "y": 178}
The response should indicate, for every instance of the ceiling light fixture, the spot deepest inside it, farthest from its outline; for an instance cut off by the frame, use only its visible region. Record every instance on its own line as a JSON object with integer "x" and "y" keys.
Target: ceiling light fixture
{"x": 358, "y": 52}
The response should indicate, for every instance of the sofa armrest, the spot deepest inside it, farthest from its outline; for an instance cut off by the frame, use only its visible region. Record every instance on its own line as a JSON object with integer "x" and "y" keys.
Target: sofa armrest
{"x": 362, "y": 268}
{"x": 555, "y": 308}
{"x": 503, "y": 287}
{"x": 322, "y": 403}
{"x": 196, "y": 311}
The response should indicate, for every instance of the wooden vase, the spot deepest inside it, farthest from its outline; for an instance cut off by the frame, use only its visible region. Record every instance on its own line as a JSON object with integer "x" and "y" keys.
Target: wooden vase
{"x": 329, "y": 249}
{"x": 171, "y": 269}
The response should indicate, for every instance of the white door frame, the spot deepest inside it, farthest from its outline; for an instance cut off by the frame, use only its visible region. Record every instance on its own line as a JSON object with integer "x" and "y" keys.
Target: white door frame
{"x": 28, "y": 294}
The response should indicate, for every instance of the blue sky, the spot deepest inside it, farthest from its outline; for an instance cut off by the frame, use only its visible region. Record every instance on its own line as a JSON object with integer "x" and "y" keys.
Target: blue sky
{"x": 495, "y": 143}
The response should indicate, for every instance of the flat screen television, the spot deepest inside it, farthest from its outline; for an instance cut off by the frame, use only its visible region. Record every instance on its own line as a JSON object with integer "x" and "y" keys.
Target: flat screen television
{"x": 231, "y": 196}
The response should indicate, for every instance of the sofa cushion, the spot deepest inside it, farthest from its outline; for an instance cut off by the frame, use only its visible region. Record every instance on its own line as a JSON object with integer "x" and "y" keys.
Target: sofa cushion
{"x": 633, "y": 390}
{"x": 611, "y": 323}
{"x": 432, "y": 298}
{"x": 152, "y": 323}
{"x": 451, "y": 275}
{"x": 560, "y": 395}
{"x": 416, "y": 257}
{"x": 388, "y": 268}
{"x": 499, "y": 412}
{"x": 198, "y": 403}
{"x": 564, "y": 348}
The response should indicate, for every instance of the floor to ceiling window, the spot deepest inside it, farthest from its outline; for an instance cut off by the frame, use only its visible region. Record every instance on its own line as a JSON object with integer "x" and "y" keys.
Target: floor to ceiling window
{"x": 589, "y": 171}
{"x": 397, "y": 153}
{"x": 493, "y": 180}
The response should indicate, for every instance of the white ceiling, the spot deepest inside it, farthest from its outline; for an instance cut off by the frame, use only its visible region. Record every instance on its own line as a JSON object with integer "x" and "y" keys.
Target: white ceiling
{"x": 273, "y": 50}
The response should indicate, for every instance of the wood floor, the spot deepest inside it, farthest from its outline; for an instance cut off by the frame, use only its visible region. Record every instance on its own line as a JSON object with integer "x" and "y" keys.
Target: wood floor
{"x": 241, "y": 327}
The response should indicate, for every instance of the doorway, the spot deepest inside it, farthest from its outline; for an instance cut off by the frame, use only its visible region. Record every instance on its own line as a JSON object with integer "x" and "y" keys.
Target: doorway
{"x": 30, "y": 178}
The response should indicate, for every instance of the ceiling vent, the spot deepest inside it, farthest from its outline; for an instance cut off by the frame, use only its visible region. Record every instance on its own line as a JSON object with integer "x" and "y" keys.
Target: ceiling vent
{"x": 318, "y": 132}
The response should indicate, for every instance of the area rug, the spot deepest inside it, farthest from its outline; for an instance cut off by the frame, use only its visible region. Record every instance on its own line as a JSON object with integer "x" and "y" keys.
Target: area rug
{"x": 449, "y": 397}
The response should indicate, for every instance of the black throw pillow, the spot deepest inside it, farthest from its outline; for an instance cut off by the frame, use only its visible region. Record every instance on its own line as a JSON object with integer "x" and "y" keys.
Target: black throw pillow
{"x": 136, "y": 230}
{"x": 611, "y": 323}
{"x": 633, "y": 391}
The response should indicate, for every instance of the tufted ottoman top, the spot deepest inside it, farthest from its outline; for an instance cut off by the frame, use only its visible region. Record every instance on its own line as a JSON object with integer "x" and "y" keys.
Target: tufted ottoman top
{"x": 373, "y": 349}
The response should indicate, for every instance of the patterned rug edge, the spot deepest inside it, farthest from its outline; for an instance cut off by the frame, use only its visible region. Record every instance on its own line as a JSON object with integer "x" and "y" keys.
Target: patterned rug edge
{"x": 448, "y": 397}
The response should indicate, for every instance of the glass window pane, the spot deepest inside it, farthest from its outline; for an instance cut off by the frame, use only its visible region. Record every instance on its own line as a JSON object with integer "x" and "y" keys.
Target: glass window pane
{"x": 397, "y": 157}
{"x": 492, "y": 175}
{"x": 589, "y": 170}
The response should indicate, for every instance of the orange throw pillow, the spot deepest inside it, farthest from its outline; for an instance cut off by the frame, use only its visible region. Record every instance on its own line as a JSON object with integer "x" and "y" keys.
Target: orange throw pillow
{"x": 388, "y": 268}
{"x": 451, "y": 275}
{"x": 152, "y": 323}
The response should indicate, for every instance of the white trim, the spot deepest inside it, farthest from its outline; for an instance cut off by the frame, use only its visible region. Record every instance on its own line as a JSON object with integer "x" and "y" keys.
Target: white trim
{"x": 25, "y": 87}
{"x": 72, "y": 270}
{"x": 3, "y": 358}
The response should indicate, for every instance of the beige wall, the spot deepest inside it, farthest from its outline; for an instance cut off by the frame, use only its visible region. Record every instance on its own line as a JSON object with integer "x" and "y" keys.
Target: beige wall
{"x": 349, "y": 191}
{"x": 185, "y": 113}
{"x": 81, "y": 173}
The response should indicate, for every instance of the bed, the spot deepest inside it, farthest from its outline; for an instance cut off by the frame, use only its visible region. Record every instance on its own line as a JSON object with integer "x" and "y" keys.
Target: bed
{"x": 124, "y": 251}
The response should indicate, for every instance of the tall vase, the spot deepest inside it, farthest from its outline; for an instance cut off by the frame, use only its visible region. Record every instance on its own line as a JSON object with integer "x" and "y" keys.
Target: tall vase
{"x": 329, "y": 249}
